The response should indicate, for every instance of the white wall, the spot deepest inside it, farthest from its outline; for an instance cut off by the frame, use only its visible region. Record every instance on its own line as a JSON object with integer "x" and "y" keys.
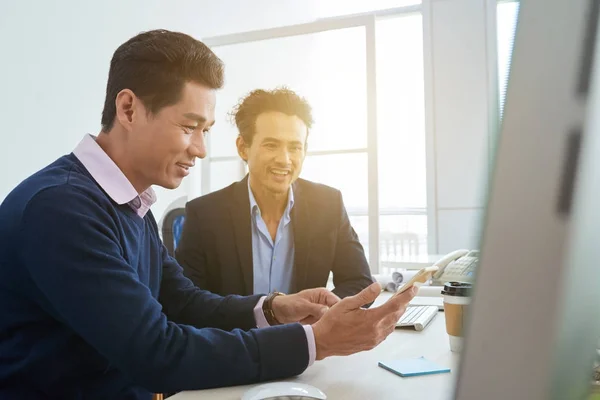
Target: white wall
{"x": 53, "y": 76}
{"x": 461, "y": 119}
{"x": 56, "y": 57}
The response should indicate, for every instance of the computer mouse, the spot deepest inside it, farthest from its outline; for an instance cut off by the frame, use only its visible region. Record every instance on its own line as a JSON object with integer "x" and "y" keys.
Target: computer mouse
{"x": 283, "y": 390}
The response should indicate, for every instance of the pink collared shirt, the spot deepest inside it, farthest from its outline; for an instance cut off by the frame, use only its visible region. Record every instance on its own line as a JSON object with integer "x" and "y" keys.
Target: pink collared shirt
{"x": 112, "y": 180}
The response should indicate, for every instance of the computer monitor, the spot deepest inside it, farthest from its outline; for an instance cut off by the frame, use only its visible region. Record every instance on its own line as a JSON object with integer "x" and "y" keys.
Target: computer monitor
{"x": 534, "y": 321}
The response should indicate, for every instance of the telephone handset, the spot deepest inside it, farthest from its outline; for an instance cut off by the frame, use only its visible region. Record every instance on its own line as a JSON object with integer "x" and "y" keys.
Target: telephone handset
{"x": 457, "y": 266}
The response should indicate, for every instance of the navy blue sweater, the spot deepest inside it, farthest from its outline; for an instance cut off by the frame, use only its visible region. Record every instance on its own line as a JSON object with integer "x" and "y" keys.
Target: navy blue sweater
{"x": 92, "y": 306}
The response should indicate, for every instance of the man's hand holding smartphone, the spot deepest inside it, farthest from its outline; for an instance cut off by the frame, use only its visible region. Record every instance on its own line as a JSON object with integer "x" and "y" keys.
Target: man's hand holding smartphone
{"x": 348, "y": 328}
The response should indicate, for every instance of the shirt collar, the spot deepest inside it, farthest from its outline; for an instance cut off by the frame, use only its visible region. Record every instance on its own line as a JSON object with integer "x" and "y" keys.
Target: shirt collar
{"x": 110, "y": 178}
{"x": 254, "y": 204}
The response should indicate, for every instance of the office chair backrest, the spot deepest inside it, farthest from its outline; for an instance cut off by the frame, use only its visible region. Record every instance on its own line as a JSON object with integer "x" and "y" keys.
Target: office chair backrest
{"x": 172, "y": 227}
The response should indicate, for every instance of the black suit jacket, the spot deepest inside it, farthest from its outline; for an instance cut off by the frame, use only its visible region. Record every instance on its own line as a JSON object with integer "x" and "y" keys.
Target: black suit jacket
{"x": 215, "y": 249}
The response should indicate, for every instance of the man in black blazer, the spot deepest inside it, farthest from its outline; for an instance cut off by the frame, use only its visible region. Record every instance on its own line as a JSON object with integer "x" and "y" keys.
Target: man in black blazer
{"x": 272, "y": 231}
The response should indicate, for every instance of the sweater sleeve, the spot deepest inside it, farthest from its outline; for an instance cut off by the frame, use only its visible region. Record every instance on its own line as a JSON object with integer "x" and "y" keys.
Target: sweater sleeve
{"x": 72, "y": 253}
{"x": 183, "y": 302}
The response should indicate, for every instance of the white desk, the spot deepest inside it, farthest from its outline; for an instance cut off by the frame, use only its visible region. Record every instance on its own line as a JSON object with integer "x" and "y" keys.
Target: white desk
{"x": 358, "y": 377}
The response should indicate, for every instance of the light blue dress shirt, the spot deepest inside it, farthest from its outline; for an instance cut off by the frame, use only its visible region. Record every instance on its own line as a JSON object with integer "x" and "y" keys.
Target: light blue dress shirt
{"x": 273, "y": 261}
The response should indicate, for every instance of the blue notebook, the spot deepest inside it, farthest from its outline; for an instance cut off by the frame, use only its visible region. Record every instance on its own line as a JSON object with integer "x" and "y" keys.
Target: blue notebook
{"x": 413, "y": 367}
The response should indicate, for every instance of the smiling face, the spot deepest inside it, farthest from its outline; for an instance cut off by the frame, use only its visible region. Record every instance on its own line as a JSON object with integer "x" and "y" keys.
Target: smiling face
{"x": 164, "y": 146}
{"x": 276, "y": 153}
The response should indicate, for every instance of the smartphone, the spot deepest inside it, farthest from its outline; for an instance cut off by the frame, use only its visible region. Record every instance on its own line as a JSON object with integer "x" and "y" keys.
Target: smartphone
{"x": 420, "y": 278}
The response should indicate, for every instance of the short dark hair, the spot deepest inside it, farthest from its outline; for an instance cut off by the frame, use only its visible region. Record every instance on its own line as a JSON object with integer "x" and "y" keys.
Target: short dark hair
{"x": 155, "y": 65}
{"x": 260, "y": 101}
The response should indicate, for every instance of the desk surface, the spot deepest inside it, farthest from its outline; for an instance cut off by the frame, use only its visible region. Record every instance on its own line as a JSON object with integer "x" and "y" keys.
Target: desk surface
{"x": 358, "y": 377}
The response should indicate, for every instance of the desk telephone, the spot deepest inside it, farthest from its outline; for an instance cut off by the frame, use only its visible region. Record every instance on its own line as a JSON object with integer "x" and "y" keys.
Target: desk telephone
{"x": 457, "y": 266}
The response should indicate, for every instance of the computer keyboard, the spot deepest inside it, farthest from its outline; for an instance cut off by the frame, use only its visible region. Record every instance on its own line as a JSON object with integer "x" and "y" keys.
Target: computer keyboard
{"x": 417, "y": 316}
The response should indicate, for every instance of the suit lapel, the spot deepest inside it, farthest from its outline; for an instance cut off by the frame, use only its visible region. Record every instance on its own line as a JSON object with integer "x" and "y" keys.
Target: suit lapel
{"x": 240, "y": 216}
{"x": 301, "y": 226}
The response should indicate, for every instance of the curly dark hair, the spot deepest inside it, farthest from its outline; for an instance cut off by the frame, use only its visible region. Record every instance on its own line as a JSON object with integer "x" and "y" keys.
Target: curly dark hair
{"x": 155, "y": 65}
{"x": 259, "y": 101}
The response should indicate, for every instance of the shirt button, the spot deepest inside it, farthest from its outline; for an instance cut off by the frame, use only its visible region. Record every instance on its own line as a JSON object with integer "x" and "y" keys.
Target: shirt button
{"x": 137, "y": 203}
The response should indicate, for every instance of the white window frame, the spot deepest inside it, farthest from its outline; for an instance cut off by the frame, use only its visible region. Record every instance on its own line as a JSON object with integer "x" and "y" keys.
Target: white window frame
{"x": 368, "y": 21}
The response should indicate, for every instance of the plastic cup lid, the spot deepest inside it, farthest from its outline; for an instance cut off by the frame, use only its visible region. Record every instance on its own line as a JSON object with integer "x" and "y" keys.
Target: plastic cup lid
{"x": 462, "y": 289}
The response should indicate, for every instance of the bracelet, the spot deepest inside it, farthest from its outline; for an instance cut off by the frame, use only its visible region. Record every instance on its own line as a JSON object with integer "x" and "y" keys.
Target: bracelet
{"x": 268, "y": 308}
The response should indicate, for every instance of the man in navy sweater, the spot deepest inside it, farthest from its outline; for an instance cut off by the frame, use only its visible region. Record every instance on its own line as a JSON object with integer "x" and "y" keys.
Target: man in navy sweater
{"x": 91, "y": 304}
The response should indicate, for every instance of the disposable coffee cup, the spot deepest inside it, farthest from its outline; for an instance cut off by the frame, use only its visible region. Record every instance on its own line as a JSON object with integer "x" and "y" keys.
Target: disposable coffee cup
{"x": 457, "y": 297}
